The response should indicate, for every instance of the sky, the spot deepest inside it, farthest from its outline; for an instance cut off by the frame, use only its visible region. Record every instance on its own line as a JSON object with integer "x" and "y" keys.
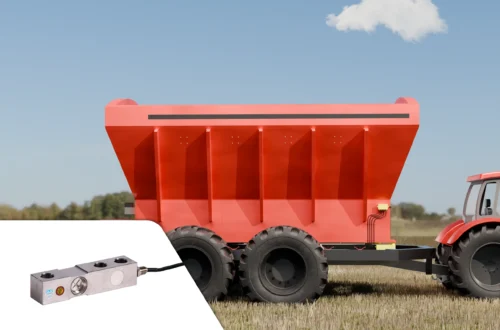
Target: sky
{"x": 61, "y": 62}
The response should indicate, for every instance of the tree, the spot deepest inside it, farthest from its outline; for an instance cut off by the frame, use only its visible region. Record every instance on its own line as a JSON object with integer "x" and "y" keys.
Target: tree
{"x": 109, "y": 206}
{"x": 8, "y": 212}
{"x": 72, "y": 212}
{"x": 451, "y": 211}
{"x": 412, "y": 211}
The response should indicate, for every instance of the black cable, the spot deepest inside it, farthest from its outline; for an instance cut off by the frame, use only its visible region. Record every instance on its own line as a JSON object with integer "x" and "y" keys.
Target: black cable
{"x": 372, "y": 218}
{"x": 162, "y": 269}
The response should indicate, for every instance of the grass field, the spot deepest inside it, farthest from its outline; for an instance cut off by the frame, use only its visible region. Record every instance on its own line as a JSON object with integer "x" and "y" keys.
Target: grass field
{"x": 370, "y": 297}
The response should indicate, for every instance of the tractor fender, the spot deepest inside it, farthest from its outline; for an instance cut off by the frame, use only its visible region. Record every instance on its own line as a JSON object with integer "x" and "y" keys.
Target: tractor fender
{"x": 447, "y": 231}
{"x": 451, "y": 233}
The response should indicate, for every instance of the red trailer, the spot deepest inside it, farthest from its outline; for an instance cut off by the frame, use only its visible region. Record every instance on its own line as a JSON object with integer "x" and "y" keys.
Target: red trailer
{"x": 270, "y": 195}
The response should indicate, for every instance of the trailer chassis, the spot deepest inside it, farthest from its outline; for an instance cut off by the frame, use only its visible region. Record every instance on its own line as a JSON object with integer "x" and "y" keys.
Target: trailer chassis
{"x": 407, "y": 257}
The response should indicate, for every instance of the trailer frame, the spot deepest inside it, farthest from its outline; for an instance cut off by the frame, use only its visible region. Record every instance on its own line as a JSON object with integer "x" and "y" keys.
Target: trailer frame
{"x": 408, "y": 257}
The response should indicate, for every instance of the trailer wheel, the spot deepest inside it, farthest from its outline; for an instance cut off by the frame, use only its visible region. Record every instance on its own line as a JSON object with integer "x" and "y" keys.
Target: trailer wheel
{"x": 283, "y": 265}
{"x": 475, "y": 262}
{"x": 207, "y": 258}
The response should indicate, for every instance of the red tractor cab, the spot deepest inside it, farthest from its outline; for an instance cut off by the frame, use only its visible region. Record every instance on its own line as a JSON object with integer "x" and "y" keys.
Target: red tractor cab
{"x": 471, "y": 246}
{"x": 482, "y": 191}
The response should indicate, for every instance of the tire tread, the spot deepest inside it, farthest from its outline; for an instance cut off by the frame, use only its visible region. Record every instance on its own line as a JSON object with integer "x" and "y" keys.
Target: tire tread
{"x": 280, "y": 231}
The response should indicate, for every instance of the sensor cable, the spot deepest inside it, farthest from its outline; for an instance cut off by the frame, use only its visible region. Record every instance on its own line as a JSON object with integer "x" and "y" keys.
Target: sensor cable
{"x": 144, "y": 270}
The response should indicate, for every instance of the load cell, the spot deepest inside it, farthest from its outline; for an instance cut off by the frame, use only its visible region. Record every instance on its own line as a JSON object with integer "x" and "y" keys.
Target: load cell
{"x": 87, "y": 279}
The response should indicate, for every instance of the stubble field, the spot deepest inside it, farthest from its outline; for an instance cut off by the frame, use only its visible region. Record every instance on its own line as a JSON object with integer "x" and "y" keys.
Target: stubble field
{"x": 370, "y": 297}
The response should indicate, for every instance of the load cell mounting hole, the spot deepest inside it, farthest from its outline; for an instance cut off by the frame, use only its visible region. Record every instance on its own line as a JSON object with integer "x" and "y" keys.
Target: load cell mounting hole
{"x": 47, "y": 275}
{"x": 100, "y": 264}
{"x": 121, "y": 260}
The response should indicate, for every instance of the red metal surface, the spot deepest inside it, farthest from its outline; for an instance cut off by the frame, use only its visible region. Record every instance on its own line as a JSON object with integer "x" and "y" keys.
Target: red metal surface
{"x": 240, "y": 176}
{"x": 483, "y": 176}
{"x": 454, "y": 231}
{"x": 447, "y": 231}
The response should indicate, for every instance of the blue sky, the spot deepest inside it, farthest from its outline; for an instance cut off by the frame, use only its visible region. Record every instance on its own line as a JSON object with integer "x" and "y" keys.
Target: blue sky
{"x": 63, "y": 61}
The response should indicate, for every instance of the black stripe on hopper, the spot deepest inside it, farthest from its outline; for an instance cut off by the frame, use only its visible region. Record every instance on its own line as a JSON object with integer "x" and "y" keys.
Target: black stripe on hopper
{"x": 283, "y": 116}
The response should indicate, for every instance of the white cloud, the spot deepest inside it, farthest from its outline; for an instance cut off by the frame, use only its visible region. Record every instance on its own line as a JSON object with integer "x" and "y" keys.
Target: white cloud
{"x": 411, "y": 19}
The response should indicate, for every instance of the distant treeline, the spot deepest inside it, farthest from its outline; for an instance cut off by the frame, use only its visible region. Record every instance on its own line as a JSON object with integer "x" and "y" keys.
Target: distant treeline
{"x": 111, "y": 206}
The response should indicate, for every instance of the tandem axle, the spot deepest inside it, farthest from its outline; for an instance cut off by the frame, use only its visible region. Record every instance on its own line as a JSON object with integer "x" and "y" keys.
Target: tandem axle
{"x": 402, "y": 256}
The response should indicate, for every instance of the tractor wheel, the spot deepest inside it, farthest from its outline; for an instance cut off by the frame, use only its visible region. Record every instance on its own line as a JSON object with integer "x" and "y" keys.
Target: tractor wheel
{"x": 475, "y": 262}
{"x": 207, "y": 258}
{"x": 283, "y": 265}
{"x": 442, "y": 255}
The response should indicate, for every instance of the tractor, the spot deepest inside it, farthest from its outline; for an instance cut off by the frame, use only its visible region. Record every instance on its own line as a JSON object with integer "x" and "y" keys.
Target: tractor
{"x": 470, "y": 247}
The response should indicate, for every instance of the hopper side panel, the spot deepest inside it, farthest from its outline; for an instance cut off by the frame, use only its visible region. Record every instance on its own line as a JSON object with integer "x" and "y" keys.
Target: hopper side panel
{"x": 287, "y": 162}
{"x": 135, "y": 151}
{"x": 389, "y": 147}
{"x": 184, "y": 163}
{"x": 339, "y": 171}
{"x": 235, "y": 163}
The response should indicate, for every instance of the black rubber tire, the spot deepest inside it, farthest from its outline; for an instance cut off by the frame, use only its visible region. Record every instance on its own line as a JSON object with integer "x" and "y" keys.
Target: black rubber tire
{"x": 208, "y": 259}
{"x": 442, "y": 256}
{"x": 466, "y": 265}
{"x": 266, "y": 259}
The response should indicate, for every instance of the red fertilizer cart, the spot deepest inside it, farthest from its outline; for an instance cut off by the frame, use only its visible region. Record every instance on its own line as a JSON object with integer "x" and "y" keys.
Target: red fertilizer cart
{"x": 273, "y": 194}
